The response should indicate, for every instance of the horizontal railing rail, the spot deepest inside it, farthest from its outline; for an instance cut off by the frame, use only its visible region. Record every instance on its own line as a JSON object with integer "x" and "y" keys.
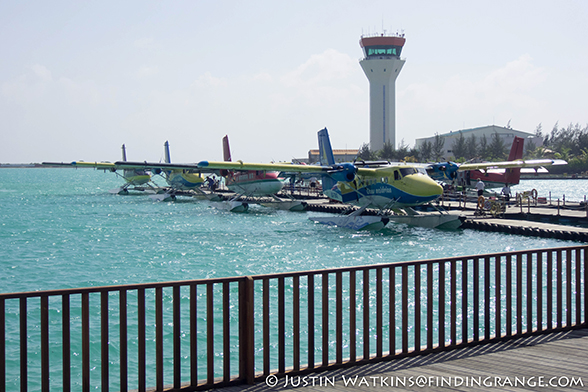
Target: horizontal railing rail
{"x": 202, "y": 334}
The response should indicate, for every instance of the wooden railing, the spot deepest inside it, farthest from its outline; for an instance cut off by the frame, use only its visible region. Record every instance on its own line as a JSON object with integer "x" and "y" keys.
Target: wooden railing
{"x": 208, "y": 333}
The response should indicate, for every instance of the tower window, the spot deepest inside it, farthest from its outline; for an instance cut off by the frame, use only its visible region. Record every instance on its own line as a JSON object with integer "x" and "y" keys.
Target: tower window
{"x": 383, "y": 51}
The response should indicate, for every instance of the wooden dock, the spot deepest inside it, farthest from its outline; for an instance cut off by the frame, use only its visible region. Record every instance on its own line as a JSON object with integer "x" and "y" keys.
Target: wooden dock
{"x": 557, "y": 361}
{"x": 568, "y": 222}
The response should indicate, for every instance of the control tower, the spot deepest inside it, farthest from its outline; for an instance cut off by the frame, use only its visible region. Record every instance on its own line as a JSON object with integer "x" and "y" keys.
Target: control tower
{"x": 382, "y": 64}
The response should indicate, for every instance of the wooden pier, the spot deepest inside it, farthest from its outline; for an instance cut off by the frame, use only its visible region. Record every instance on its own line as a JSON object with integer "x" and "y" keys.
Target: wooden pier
{"x": 548, "y": 362}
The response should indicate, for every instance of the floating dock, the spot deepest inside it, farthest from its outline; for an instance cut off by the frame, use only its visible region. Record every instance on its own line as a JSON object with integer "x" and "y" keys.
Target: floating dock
{"x": 569, "y": 222}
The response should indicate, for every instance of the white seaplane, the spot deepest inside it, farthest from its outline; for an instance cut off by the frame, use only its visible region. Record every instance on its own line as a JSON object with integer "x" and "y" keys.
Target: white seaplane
{"x": 262, "y": 184}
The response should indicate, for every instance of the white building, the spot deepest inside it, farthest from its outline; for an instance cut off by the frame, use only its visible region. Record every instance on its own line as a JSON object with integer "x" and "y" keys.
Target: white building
{"x": 506, "y": 135}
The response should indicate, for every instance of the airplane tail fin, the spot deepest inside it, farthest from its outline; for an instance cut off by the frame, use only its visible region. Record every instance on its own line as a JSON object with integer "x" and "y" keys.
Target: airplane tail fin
{"x": 516, "y": 151}
{"x": 166, "y": 158}
{"x": 326, "y": 156}
{"x": 124, "y": 153}
{"x": 226, "y": 154}
{"x": 513, "y": 176}
{"x": 226, "y": 149}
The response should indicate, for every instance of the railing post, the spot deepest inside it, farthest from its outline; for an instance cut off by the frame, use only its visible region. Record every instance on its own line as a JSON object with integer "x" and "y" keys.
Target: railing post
{"x": 45, "y": 343}
{"x": 104, "y": 339}
{"x": 2, "y": 345}
{"x": 246, "y": 331}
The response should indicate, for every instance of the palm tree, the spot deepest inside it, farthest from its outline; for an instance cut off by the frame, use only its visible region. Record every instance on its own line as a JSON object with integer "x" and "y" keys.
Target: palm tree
{"x": 438, "y": 147}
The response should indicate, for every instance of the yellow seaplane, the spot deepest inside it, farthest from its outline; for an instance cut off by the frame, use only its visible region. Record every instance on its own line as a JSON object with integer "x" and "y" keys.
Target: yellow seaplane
{"x": 137, "y": 174}
{"x": 391, "y": 187}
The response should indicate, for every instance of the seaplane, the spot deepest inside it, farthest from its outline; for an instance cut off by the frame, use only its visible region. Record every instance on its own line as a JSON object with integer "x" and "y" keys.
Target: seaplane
{"x": 262, "y": 185}
{"x": 136, "y": 179}
{"x": 493, "y": 174}
{"x": 397, "y": 187}
{"x": 178, "y": 179}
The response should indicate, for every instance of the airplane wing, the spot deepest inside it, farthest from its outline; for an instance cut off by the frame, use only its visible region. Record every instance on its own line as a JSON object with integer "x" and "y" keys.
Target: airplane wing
{"x": 151, "y": 166}
{"x": 339, "y": 172}
{"x": 156, "y": 165}
{"x": 283, "y": 167}
{"x": 128, "y": 165}
{"x": 97, "y": 165}
{"x": 511, "y": 164}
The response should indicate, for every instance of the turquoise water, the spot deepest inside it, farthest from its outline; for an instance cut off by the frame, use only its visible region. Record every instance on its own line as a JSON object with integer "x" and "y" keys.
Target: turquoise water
{"x": 60, "y": 228}
{"x": 570, "y": 190}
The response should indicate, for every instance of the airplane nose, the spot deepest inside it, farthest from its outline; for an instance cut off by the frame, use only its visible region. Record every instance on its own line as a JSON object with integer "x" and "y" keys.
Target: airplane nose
{"x": 425, "y": 186}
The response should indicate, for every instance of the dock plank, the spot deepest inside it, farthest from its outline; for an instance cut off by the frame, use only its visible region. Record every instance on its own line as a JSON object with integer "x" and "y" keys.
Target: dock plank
{"x": 561, "y": 354}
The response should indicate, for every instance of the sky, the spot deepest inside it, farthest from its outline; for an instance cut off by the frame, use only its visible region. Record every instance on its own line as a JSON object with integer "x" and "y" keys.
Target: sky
{"x": 79, "y": 79}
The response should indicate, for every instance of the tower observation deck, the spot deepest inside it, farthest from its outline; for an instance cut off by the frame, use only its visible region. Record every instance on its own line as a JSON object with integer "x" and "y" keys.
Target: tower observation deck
{"x": 382, "y": 64}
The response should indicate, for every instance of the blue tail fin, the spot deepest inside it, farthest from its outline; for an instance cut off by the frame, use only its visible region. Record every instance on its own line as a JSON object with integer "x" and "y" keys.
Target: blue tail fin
{"x": 166, "y": 156}
{"x": 326, "y": 156}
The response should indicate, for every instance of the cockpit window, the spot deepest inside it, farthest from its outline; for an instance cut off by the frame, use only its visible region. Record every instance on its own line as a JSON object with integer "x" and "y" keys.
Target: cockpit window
{"x": 405, "y": 171}
{"x": 396, "y": 175}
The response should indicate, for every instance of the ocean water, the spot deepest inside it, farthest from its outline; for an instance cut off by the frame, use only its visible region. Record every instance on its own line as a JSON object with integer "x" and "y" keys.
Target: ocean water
{"x": 570, "y": 190}
{"x": 60, "y": 228}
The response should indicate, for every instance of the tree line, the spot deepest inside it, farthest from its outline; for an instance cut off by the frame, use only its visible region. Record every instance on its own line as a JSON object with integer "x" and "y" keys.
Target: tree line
{"x": 568, "y": 143}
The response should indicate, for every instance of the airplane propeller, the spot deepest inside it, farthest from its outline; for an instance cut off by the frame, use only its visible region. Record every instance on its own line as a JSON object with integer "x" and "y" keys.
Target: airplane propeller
{"x": 449, "y": 169}
{"x": 344, "y": 172}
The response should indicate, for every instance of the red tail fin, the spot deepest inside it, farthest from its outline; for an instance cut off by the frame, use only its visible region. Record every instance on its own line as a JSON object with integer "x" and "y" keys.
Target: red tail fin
{"x": 516, "y": 151}
{"x": 513, "y": 176}
{"x": 226, "y": 149}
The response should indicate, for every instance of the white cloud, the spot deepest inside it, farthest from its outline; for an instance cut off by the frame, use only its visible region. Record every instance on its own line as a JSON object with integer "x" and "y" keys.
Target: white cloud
{"x": 42, "y": 73}
{"x": 28, "y": 86}
{"x": 207, "y": 80}
{"x": 145, "y": 43}
{"x": 320, "y": 68}
{"x": 146, "y": 71}
{"x": 460, "y": 101}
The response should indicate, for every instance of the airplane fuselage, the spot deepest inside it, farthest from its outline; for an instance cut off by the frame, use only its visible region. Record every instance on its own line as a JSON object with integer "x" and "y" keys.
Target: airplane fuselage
{"x": 393, "y": 187}
{"x": 178, "y": 179}
{"x": 136, "y": 176}
{"x": 491, "y": 180}
{"x": 254, "y": 182}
